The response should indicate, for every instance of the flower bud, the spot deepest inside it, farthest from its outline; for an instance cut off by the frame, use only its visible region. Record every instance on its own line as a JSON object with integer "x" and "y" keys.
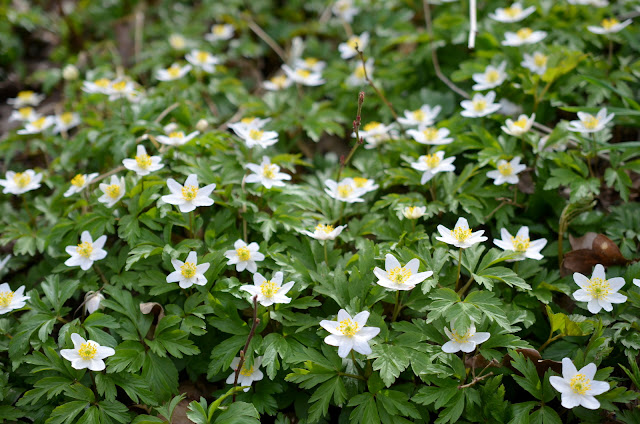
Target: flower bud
{"x": 70, "y": 72}
{"x": 202, "y": 125}
{"x": 92, "y": 301}
{"x": 414, "y": 212}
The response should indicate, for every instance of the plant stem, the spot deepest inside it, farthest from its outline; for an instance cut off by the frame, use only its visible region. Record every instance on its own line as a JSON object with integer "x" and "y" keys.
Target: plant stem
{"x": 326, "y": 257}
{"x": 397, "y": 308}
{"x": 256, "y": 321}
{"x": 549, "y": 341}
{"x": 459, "y": 269}
{"x": 464, "y": 288}
{"x": 356, "y": 129}
{"x": 355, "y": 364}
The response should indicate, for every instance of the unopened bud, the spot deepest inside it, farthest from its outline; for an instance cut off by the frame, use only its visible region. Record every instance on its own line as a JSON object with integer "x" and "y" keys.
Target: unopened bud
{"x": 361, "y": 141}
{"x": 70, "y": 72}
{"x": 202, "y": 125}
{"x": 361, "y": 97}
{"x": 92, "y": 301}
{"x": 342, "y": 158}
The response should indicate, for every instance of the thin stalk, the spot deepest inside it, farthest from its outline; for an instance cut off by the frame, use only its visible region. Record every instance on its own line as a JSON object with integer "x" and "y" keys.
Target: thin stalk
{"x": 378, "y": 92}
{"x": 356, "y": 129}
{"x": 256, "y": 321}
{"x": 397, "y": 307}
{"x": 326, "y": 256}
{"x": 459, "y": 269}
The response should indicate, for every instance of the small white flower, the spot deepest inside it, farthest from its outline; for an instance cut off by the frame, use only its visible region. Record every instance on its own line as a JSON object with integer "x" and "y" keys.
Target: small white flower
{"x": 249, "y": 123}
{"x": 374, "y": 133}
{"x": 269, "y": 291}
{"x": 598, "y": 291}
{"x": 589, "y": 124}
{"x": 277, "y": 83}
{"x": 461, "y": 236}
{"x": 189, "y": 196}
{"x": 358, "y": 77}
{"x": 21, "y": 182}
{"x": 463, "y": 342}
{"x": 37, "y": 126}
{"x": 24, "y": 114}
{"x": 490, "y": 78}
{"x": 311, "y": 64}
{"x": 86, "y": 354}
{"x": 514, "y": 13}
{"x": 202, "y": 125}
{"x": 414, "y": 212}
{"x": 521, "y": 244}
{"x": 344, "y": 191}
{"x": 244, "y": 256}
{"x": 520, "y": 126}
{"x": 99, "y": 86}
{"x": 173, "y": 72}
{"x": 523, "y": 36}
{"x": 636, "y": 281}
{"x": 364, "y": 184}
{"x": 66, "y": 121}
{"x": 536, "y": 63}
{"x": 423, "y": 117}
{"x": 70, "y": 72}
{"x": 112, "y": 192}
{"x": 431, "y": 136}
{"x": 480, "y": 105}
{"x": 507, "y": 172}
{"x": 595, "y": 3}
{"x": 345, "y": 10}
{"x": 303, "y": 76}
{"x": 348, "y": 49}
{"x": 26, "y": 98}
{"x": 88, "y": 251}
{"x": 246, "y": 377}
{"x": 188, "y": 273}
{"x": 267, "y": 174}
{"x": 143, "y": 164}
{"x": 609, "y": 26}
{"x": 255, "y": 137}
{"x": 398, "y": 277}
{"x": 92, "y": 301}
{"x": 433, "y": 163}
{"x": 177, "y": 42}
{"x": 350, "y": 333}
{"x": 121, "y": 88}
{"x": 79, "y": 182}
{"x": 578, "y": 388}
{"x": 220, "y": 32}
{"x": 204, "y": 60}
{"x": 176, "y": 138}
{"x": 10, "y": 300}
{"x": 325, "y": 232}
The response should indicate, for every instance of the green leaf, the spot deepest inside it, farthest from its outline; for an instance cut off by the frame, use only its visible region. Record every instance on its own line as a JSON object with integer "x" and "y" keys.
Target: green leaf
{"x": 390, "y": 361}
{"x": 239, "y": 413}
{"x": 366, "y": 411}
{"x": 66, "y": 412}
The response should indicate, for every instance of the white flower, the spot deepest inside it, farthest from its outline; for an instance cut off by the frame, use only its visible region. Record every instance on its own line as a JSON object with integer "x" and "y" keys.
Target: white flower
{"x": 490, "y": 78}
{"x": 463, "y": 342}
{"x": 358, "y": 77}
{"x": 514, "y": 13}
{"x": 173, "y": 72}
{"x": 374, "y": 133}
{"x": 121, "y": 88}
{"x": 189, "y": 196}
{"x": 10, "y": 300}
{"x": 521, "y": 244}
{"x": 364, "y": 184}
{"x": 24, "y": 114}
{"x": 344, "y": 191}
{"x": 609, "y": 26}
{"x": 88, "y": 251}
{"x": 112, "y": 192}
{"x": 325, "y": 232}
{"x": 66, "y": 121}
{"x": 598, "y": 291}
{"x": 255, "y": 137}
{"x": 267, "y": 174}
{"x": 348, "y": 49}
{"x": 249, "y": 123}
{"x": 79, "y": 182}
{"x": 519, "y": 127}
{"x": 636, "y": 281}
{"x": 176, "y": 138}
{"x": 480, "y": 105}
{"x": 143, "y": 164}
{"x": 70, "y": 72}
{"x": 188, "y": 273}
{"x": 269, "y": 291}
{"x": 92, "y": 301}
{"x": 202, "y": 59}
{"x": 177, "y": 41}
{"x": 345, "y": 10}
{"x": 578, "y": 388}
{"x": 20, "y": 182}
{"x": 536, "y": 63}
{"x": 303, "y": 76}
{"x": 423, "y": 117}
{"x": 311, "y": 64}
{"x": 398, "y": 277}
{"x": 433, "y": 163}
{"x": 414, "y": 212}
{"x": 244, "y": 256}
{"x": 26, "y": 98}
{"x": 589, "y": 123}
{"x": 37, "y": 126}
{"x": 348, "y": 333}
{"x": 100, "y": 86}
{"x": 277, "y": 83}
{"x": 431, "y": 136}
{"x": 596, "y": 3}
{"x": 86, "y": 354}
{"x": 507, "y": 172}
{"x": 461, "y": 236}
{"x": 523, "y": 36}
{"x": 246, "y": 377}
{"x": 220, "y": 32}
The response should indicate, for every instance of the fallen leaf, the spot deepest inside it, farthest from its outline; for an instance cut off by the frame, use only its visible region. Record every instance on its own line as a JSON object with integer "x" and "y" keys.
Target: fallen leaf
{"x": 588, "y": 251}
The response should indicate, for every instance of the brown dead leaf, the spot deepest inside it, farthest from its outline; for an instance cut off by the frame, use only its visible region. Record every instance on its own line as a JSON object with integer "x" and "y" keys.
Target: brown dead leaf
{"x": 525, "y": 183}
{"x": 590, "y": 250}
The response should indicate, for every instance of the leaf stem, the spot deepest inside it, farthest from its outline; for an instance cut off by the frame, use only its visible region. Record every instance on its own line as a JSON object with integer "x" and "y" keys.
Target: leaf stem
{"x": 459, "y": 269}
{"x": 255, "y": 321}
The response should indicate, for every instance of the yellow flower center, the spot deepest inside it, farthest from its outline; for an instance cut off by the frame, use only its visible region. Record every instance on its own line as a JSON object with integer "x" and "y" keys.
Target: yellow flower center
{"x": 580, "y": 384}
{"x": 188, "y": 270}
{"x": 39, "y": 123}
{"x": 202, "y": 56}
{"x": 143, "y": 161}
{"x": 66, "y": 118}
{"x": 344, "y": 190}
{"x": 371, "y": 126}
{"x": 524, "y": 33}
{"x": 520, "y": 243}
{"x": 324, "y": 228}
{"x": 279, "y": 81}
{"x": 540, "y": 60}
{"x": 360, "y": 182}
{"x": 244, "y": 254}
{"x": 505, "y": 169}
{"x": 269, "y": 171}
{"x": 304, "y": 73}
{"x": 479, "y": 105}
{"x": 87, "y": 351}
{"x": 269, "y": 288}
{"x": 460, "y": 338}
{"x": 25, "y": 95}
{"x": 609, "y": 23}
{"x": 492, "y": 76}
{"x": 113, "y": 191}
{"x": 85, "y": 249}
{"x": 256, "y": 134}
{"x": 218, "y": 29}
{"x": 25, "y": 112}
{"x": 461, "y": 233}
{"x": 431, "y": 160}
{"x": 176, "y": 134}
{"x": 512, "y": 11}
{"x": 5, "y": 298}
{"x": 102, "y": 82}
{"x": 119, "y": 86}
{"x": 360, "y": 72}
{"x": 399, "y": 274}
{"x": 21, "y": 179}
{"x": 189, "y": 192}
{"x": 311, "y": 61}
{"x": 177, "y": 41}
{"x": 521, "y": 123}
{"x": 348, "y": 327}
{"x": 590, "y": 122}
{"x": 354, "y": 42}
{"x": 246, "y": 372}
{"x": 79, "y": 180}
{"x": 599, "y": 288}
{"x": 430, "y": 134}
{"x": 248, "y": 119}
{"x": 410, "y": 211}
{"x": 174, "y": 71}
{"x": 418, "y": 115}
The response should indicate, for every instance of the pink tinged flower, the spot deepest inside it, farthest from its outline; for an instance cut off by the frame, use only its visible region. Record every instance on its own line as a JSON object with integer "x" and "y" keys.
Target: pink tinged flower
{"x": 88, "y": 251}
{"x": 461, "y": 236}
{"x": 466, "y": 342}
{"x": 189, "y": 196}
{"x": 246, "y": 376}
{"x": 578, "y": 388}
{"x": 599, "y": 292}
{"x": 521, "y": 244}
{"x": 244, "y": 256}
{"x": 269, "y": 291}
{"x": 11, "y": 300}
{"x": 350, "y": 333}
{"x": 86, "y": 354}
{"x": 189, "y": 272}
{"x": 398, "y": 277}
